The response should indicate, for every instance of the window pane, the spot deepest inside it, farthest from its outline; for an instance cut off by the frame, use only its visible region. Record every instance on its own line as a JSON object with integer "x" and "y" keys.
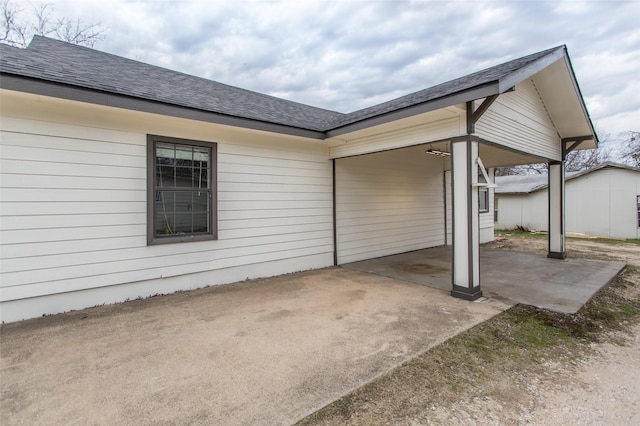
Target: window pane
{"x": 200, "y": 222}
{"x": 184, "y": 156}
{"x": 164, "y": 224}
{"x": 184, "y": 178}
{"x": 165, "y": 153}
{"x": 201, "y": 154}
{"x": 483, "y": 200}
{"x": 201, "y": 202}
{"x": 201, "y": 178}
{"x": 165, "y": 176}
{"x": 182, "y": 212}
{"x": 182, "y": 224}
{"x": 165, "y": 201}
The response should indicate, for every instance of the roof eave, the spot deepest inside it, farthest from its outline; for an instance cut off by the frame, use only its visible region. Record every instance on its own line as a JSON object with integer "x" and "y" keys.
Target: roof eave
{"x": 576, "y": 86}
{"x": 525, "y": 72}
{"x": 75, "y": 93}
{"x": 461, "y": 97}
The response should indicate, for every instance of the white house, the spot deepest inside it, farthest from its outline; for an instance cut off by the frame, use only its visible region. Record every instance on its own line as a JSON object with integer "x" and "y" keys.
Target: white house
{"x": 603, "y": 201}
{"x": 121, "y": 180}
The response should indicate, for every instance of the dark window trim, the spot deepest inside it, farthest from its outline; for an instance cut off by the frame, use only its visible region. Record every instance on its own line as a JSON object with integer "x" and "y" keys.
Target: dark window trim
{"x": 483, "y": 193}
{"x": 151, "y": 191}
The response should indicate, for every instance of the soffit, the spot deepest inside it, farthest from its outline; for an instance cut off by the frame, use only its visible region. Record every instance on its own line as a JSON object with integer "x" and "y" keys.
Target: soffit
{"x": 562, "y": 98}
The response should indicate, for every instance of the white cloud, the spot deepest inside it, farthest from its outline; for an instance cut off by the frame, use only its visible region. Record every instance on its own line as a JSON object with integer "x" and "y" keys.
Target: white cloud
{"x": 346, "y": 55}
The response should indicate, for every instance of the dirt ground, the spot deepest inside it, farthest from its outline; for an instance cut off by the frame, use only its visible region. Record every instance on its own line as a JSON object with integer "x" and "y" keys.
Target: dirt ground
{"x": 600, "y": 389}
{"x": 498, "y": 374}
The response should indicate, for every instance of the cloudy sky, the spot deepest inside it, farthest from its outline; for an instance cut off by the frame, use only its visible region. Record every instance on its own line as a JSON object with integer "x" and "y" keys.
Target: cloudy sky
{"x": 346, "y": 55}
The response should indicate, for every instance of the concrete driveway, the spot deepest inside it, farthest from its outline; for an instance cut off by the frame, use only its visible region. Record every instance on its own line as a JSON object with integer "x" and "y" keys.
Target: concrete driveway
{"x": 268, "y": 351}
{"x": 514, "y": 277}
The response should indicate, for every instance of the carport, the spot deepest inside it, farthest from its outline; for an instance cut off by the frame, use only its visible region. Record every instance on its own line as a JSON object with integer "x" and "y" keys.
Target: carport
{"x": 415, "y": 172}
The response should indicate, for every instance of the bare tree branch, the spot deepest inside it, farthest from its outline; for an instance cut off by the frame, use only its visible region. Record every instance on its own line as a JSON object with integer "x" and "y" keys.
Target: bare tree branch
{"x": 44, "y": 24}
{"x": 77, "y": 33}
{"x": 13, "y": 32}
{"x": 18, "y": 28}
{"x": 630, "y": 151}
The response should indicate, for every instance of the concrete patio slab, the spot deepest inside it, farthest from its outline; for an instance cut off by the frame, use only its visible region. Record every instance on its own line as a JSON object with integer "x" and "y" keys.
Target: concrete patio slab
{"x": 259, "y": 352}
{"x": 514, "y": 277}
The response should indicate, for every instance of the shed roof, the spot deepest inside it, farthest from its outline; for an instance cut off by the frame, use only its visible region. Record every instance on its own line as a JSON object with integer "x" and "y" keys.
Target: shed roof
{"x": 55, "y": 68}
{"x": 526, "y": 184}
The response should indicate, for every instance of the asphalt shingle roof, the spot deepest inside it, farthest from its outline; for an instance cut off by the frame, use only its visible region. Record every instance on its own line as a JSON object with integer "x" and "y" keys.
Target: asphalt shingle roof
{"x": 65, "y": 63}
{"x": 60, "y": 62}
{"x": 448, "y": 88}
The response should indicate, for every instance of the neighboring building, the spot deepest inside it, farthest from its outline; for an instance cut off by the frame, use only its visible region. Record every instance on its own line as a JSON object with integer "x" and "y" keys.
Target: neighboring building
{"x": 122, "y": 180}
{"x": 603, "y": 201}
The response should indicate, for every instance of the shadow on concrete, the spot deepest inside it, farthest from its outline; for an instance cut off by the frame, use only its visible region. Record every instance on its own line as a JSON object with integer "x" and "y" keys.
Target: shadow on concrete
{"x": 514, "y": 277}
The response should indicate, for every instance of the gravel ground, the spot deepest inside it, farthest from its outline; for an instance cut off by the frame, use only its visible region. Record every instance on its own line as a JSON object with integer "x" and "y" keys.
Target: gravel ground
{"x": 602, "y": 388}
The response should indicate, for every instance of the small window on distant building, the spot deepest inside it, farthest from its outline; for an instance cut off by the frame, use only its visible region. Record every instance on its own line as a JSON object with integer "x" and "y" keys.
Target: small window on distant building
{"x": 181, "y": 190}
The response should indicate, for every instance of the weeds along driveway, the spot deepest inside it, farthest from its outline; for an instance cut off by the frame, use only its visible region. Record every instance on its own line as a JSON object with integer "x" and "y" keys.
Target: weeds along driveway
{"x": 259, "y": 352}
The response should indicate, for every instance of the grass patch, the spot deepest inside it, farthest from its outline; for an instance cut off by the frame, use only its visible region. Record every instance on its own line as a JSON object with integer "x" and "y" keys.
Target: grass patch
{"x": 495, "y": 360}
{"x": 517, "y": 234}
{"x": 635, "y": 241}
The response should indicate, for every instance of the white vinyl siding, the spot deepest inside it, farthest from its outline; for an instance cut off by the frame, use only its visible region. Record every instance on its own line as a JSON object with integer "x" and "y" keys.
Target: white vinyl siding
{"x": 388, "y": 203}
{"x": 73, "y": 211}
{"x": 519, "y": 120}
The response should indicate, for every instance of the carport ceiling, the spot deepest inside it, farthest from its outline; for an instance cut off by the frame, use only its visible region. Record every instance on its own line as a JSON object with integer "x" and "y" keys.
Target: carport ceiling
{"x": 491, "y": 155}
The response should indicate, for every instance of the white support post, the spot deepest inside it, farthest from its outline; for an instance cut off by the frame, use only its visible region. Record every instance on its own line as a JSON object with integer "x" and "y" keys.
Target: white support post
{"x": 556, "y": 211}
{"x": 466, "y": 228}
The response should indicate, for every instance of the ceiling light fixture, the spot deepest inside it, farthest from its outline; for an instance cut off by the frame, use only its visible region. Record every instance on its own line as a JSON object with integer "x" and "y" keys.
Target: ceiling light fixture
{"x": 437, "y": 152}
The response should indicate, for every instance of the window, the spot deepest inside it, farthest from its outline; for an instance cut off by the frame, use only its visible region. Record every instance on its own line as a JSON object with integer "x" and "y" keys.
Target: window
{"x": 483, "y": 195}
{"x": 483, "y": 200}
{"x": 181, "y": 190}
{"x": 638, "y": 202}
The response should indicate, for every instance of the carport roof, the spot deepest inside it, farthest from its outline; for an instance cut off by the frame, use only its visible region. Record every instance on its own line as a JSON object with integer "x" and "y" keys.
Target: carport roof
{"x": 493, "y": 80}
{"x": 55, "y": 68}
